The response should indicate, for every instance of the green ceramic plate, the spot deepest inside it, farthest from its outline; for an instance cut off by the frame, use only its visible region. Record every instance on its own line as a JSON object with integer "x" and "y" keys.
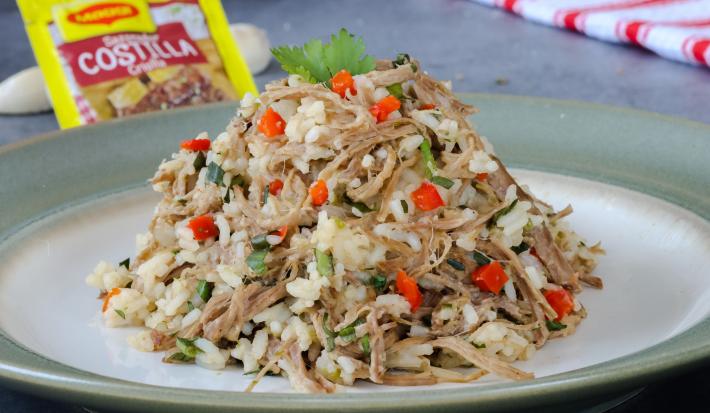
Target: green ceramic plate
{"x": 641, "y": 182}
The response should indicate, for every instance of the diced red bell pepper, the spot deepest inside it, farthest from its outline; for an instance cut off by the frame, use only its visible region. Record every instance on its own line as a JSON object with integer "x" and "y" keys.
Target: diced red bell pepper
{"x": 271, "y": 124}
{"x": 427, "y": 106}
{"x": 281, "y": 232}
{"x": 490, "y": 277}
{"x": 196, "y": 145}
{"x": 342, "y": 82}
{"x": 426, "y": 197}
{"x": 109, "y": 295}
{"x": 561, "y": 301}
{"x": 481, "y": 177}
{"x": 275, "y": 187}
{"x": 203, "y": 227}
{"x": 408, "y": 288}
{"x": 382, "y": 109}
{"x": 318, "y": 192}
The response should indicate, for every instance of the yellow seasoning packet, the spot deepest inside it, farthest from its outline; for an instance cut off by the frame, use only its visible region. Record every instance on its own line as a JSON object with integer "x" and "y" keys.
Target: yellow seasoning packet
{"x": 103, "y": 59}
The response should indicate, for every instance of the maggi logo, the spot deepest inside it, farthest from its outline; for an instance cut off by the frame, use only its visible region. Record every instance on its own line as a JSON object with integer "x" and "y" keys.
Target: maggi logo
{"x": 103, "y": 13}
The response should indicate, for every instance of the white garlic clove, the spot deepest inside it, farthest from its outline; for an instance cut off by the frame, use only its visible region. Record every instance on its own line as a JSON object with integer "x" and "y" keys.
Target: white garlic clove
{"x": 23, "y": 93}
{"x": 254, "y": 45}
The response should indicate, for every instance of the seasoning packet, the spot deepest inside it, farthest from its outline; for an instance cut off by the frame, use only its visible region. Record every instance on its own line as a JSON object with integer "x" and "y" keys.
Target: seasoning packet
{"x": 104, "y": 59}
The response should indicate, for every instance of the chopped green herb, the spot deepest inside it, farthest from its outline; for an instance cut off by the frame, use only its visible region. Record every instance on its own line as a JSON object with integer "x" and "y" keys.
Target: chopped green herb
{"x": 553, "y": 325}
{"x": 180, "y": 357}
{"x": 259, "y": 242}
{"x": 479, "y": 345}
{"x": 347, "y": 334}
{"x": 403, "y": 59}
{"x": 266, "y": 194}
{"x": 187, "y": 346}
{"x": 443, "y": 182}
{"x": 120, "y": 313}
{"x": 324, "y": 263}
{"x": 125, "y": 263}
{"x": 199, "y": 161}
{"x": 504, "y": 211}
{"x": 528, "y": 226}
{"x": 255, "y": 261}
{"x": 396, "y": 90}
{"x": 237, "y": 181}
{"x": 481, "y": 258}
{"x": 176, "y": 251}
{"x": 520, "y": 248}
{"x": 226, "y": 197}
{"x": 582, "y": 244}
{"x": 429, "y": 162}
{"x": 317, "y": 62}
{"x": 456, "y": 264}
{"x": 365, "y": 344}
{"x": 190, "y": 306}
{"x": 182, "y": 201}
{"x": 204, "y": 290}
{"x": 360, "y": 206}
{"x": 339, "y": 223}
{"x": 330, "y": 335}
{"x": 405, "y": 206}
{"x": 379, "y": 282}
{"x": 215, "y": 173}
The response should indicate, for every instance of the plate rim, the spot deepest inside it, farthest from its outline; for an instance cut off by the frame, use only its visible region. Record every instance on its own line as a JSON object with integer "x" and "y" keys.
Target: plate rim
{"x": 56, "y": 380}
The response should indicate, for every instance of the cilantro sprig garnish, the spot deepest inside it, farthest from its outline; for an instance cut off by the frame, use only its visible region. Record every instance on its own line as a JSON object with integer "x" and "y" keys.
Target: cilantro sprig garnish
{"x": 317, "y": 62}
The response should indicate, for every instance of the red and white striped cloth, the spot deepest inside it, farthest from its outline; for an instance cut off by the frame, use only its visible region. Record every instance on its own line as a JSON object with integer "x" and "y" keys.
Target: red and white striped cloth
{"x": 675, "y": 29}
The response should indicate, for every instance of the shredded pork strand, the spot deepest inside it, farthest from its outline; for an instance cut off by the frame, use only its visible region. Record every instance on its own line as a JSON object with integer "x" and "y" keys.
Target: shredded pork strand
{"x": 333, "y": 251}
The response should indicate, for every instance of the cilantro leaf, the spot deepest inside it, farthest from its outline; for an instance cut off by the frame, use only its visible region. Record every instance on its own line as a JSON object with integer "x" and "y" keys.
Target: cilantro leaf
{"x": 316, "y": 62}
{"x": 345, "y": 51}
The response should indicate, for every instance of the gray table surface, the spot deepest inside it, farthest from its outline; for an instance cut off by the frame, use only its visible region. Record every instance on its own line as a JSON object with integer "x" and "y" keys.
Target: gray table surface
{"x": 470, "y": 44}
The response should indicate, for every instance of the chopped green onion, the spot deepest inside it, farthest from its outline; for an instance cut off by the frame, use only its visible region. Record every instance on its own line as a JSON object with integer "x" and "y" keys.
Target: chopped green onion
{"x": 481, "y": 258}
{"x": 479, "y": 345}
{"x": 180, "y": 357}
{"x": 365, "y": 343}
{"x": 259, "y": 242}
{"x": 553, "y": 325}
{"x": 360, "y": 206}
{"x": 182, "y": 201}
{"x": 199, "y": 161}
{"x": 255, "y": 261}
{"x": 528, "y": 226}
{"x": 396, "y": 90}
{"x": 176, "y": 251}
{"x": 347, "y": 334}
{"x": 405, "y": 206}
{"x": 456, "y": 264}
{"x": 215, "y": 173}
{"x": 324, "y": 263}
{"x": 237, "y": 181}
{"x": 403, "y": 59}
{"x": 379, "y": 282}
{"x": 520, "y": 248}
{"x": 504, "y": 211}
{"x": 429, "y": 162}
{"x": 204, "y": 290}
{"x": 120, "y": 313}
{"x": 125, "y": 263}
{"x": 443, "y": 182}
{"x": 188, "y": 347}
{"x": 266, "y": 194}
{"x": 226, "y": 197}
{"x": 190, "y": 306}
{"x": 330, "y": 335}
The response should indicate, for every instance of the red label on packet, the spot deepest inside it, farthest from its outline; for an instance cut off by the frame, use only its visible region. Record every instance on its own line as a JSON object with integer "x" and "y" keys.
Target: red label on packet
{"x": 116, "y": 56}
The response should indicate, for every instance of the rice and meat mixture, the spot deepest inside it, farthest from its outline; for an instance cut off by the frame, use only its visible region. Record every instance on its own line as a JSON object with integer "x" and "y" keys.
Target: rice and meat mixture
{"x": 359, "y": 229}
